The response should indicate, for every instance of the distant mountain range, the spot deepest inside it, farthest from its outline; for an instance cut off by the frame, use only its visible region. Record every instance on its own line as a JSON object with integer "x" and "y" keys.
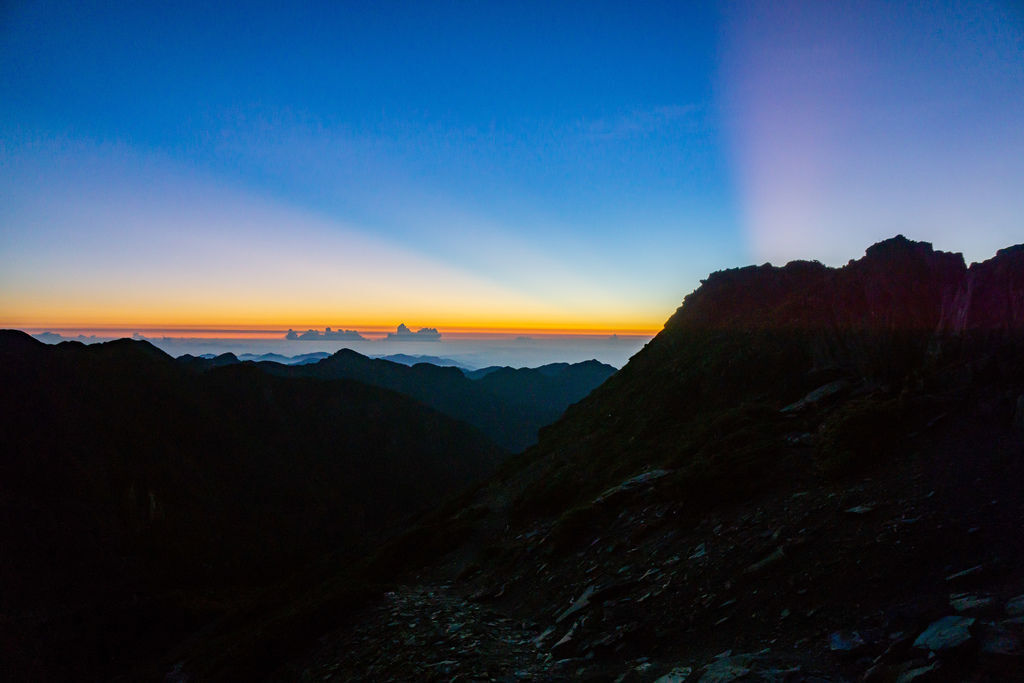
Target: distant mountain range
{"x": 315, "y": 357}
{"x": 508, "y": 405}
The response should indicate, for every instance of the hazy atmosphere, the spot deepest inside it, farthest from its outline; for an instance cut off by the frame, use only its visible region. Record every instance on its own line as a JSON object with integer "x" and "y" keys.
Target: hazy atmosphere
{"x": 466, "y": 350}
{"x": 455, "y": 165}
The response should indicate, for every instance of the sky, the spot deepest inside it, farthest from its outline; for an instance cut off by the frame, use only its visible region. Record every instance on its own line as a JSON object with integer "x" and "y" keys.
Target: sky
{"x": 484, "y": 166}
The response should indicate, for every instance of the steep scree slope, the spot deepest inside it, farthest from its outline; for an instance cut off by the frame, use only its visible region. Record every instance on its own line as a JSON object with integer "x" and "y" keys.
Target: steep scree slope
{"x": 810, "y": 474}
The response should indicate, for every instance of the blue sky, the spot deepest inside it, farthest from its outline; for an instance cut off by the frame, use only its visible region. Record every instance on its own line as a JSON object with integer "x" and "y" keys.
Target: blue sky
{"x": 577, "y": 165}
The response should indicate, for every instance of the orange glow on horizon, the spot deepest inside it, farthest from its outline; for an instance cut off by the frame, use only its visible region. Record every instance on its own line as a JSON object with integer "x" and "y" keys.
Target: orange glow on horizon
{"x": 371, "y": 332}
{"x": 209, "y": 323}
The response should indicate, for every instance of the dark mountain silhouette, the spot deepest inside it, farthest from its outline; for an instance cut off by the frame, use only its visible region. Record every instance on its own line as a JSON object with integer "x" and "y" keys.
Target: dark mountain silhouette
{"x": 904, "y": 317}
{"x": 810, "y": 474}
{"x": 140, "y": 498}
{"x": 287, "y": 360}
{"x": 207, "y": 361}
{"x": 407, "y": 359}
{"x": 509, "y": 407}
{"x": 551, "y": 387}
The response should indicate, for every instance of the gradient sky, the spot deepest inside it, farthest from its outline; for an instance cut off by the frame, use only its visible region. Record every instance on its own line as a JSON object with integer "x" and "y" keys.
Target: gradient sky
{"x": 495, "y": 165}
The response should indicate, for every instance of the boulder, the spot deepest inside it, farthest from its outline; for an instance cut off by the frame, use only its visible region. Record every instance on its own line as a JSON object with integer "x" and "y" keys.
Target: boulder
{"x": 945, "y": 634}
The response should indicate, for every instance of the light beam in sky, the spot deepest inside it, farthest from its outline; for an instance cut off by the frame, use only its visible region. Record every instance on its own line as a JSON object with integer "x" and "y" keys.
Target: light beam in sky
{"x": 856, "y": 121}
{"x": 118, "y": 239}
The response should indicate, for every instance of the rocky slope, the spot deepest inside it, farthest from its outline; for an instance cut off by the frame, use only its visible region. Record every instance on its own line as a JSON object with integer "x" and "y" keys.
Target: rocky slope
{"x": 810, "y": 474}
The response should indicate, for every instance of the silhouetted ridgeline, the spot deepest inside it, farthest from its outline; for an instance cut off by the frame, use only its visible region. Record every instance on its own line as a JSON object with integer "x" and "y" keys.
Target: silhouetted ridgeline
{"x": 810, "y": 473}
{"x": 508, "y": 405}
{"x": 903, "y": 318}
{"x": 139, "y": 499}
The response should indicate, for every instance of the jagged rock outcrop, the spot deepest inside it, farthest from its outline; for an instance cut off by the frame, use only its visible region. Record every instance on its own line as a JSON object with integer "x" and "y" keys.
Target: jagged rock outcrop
{"x": 901, "y": 296}
{"x": 990, "y": 296}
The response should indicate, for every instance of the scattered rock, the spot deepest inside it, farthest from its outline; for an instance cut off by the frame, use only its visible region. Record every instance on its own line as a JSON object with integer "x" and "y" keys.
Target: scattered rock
{"x": 488, "y": 593}
{"x": 970, "y": 572}
{"x": 579, "y": 604}
{"x": 727, "y": 669}
{"x": 699, "y": 552}
{"x": 966, "y": 602}
{"x": 801, "y": 439}
{"x": 845, "y": 641}
{"x": 539, "y": 640}
{"x": 643, "y": 667}
{"x": 998, "y": 640}
{"x": 564, "y": 642}
{"x": 860, "y": 509}
{"x": 917, "y": 674}
{"x": 775, "y": 556}
{"x": 631, "y": 484}
{"x": 676, "y": 675}
{"x": 1015, "y": 606}
{"x": 945, "y": 634}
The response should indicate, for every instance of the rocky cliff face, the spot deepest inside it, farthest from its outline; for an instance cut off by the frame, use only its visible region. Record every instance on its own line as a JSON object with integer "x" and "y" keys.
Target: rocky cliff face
{"x": 899, "y": 292}
{"x": 989, "y": 298}
{"x": 902, "y": 318}
{"x": 898, "y": 285}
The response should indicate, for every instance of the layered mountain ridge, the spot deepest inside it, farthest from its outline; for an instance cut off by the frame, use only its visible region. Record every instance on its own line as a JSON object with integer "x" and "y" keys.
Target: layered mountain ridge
{"x": 508, "y": 405}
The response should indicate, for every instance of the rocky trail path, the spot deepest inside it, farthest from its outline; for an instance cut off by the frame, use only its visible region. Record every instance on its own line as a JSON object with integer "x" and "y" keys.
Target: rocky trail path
{"x": 911, "y": 575}
{"x": 432, "y": 633}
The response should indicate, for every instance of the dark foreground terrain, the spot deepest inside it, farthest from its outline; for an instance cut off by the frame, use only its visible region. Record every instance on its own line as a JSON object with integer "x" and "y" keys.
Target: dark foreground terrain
{"x": 140, "y": 500}
{"x": 809, "y": 474}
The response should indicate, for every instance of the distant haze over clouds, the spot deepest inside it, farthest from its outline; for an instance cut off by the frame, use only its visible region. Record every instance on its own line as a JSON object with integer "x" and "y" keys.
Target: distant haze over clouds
{"x": 403, "y": 333}
{"x": 469, "y": 351}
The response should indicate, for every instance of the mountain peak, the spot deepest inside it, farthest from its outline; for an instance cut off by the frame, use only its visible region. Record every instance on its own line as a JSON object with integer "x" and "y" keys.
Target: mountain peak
{"x": 16, "y": 340}
{"x": 901, "y": 253}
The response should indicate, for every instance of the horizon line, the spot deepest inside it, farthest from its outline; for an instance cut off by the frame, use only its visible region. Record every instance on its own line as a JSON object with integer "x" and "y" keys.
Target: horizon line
{"x": 374, "y": 332}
